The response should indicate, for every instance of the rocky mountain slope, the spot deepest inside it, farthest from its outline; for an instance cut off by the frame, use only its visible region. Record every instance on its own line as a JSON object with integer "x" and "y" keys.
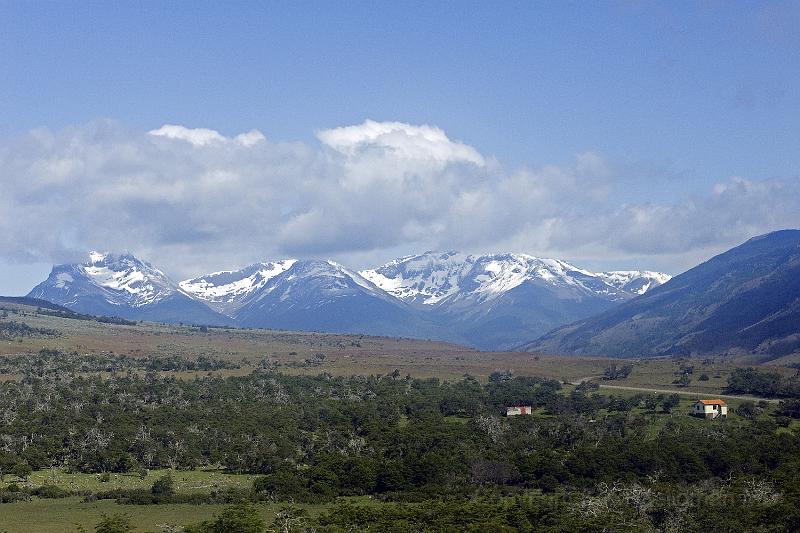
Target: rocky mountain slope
{"x": 124, "y": 286}
{"x": 746, "y": 300}
{"x": 487, "y": 300}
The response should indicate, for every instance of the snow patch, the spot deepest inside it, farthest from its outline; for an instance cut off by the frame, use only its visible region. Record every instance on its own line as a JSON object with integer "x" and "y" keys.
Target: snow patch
{"x": 238, "y": 283}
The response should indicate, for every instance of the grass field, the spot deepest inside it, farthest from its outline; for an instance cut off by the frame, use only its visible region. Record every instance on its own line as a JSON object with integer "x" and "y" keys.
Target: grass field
{"x": 291, "y": 352}
{"x": 67, "y": 514}
{"x": 340, "y": 355}
{"x": 185, "y": 482}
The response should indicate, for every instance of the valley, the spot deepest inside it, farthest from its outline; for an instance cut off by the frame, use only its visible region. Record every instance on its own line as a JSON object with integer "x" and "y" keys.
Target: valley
{"x": 292, "y": 427}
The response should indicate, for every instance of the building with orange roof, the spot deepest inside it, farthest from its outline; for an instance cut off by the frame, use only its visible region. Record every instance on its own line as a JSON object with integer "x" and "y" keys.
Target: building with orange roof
{"x": 710, "y": 409}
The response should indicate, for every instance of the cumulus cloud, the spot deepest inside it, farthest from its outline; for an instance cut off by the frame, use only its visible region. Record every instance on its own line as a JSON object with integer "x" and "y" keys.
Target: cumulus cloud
{"x": 400, "y": 141}
{"x": 203, "y": 136}
{"x": 194, "y": 200}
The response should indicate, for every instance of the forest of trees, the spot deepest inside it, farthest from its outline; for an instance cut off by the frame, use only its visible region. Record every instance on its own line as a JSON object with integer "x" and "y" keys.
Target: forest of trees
{"x": 428, "y": 450}
{"x": 765, "y": 384}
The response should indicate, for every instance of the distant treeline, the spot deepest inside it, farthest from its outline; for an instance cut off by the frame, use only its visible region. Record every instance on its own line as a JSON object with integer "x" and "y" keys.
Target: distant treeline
{"x": 80, "y": 316}
{"x": 57, "y": 364}
{"x": 12, "y": 329}
{"x": 46, "y": 309}
{"x": 765, "y": 384}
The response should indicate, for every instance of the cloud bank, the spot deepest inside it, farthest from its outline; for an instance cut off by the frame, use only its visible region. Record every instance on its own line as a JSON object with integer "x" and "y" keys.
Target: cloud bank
{"x": 194, "y": 200}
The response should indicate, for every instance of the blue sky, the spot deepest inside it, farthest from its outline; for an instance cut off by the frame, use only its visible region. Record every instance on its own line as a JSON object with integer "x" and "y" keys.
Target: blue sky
{"x": 675, "y": 97}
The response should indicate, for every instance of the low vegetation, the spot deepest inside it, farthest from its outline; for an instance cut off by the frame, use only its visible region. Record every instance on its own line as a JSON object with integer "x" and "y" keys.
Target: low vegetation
{"x": 761, "y": 383}
{"x": 206, "y": 430}
{"x": 11, "y": 329}
{"x": 429, "y": 454}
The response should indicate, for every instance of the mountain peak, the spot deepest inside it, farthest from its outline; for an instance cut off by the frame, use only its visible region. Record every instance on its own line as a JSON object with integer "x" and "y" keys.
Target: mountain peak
{"x": 119, "y": 279}
{"x": 120, "y": 284}
{"x": 223, "y": 289}
{"x": 433, "y": 277}
{"x": 635, "y": 281}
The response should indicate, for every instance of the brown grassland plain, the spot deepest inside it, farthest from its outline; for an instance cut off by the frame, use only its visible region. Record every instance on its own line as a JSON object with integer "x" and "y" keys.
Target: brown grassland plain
{"x": 295, "y": 352}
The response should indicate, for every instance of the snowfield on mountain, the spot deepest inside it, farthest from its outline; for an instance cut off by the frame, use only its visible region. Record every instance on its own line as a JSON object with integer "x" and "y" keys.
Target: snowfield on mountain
{"x": 493, "y": 301}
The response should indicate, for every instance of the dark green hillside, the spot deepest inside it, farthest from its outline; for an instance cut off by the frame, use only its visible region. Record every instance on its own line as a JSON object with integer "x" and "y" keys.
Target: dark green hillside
{"x": 33, "y": 302}
{"x": 744, "y": 301}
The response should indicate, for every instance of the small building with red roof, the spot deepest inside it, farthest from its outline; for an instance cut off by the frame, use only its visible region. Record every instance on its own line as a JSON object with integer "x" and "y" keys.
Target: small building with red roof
{"x": 710, "y": 409}
{"x": 516, "y": 410}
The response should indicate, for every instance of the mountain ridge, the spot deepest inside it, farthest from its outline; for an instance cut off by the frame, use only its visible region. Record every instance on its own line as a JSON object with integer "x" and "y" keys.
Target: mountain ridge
{"x": 745, "y": 300}
{"x": 487, "y": 301}
{"x": 124, "y": 286}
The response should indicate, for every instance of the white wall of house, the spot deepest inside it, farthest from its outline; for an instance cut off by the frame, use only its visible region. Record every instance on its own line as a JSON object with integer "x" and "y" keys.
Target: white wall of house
{"x": 710, "y": 410}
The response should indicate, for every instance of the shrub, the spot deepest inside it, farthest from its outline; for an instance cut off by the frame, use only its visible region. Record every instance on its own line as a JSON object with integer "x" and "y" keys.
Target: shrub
{"x": 118, "y": 523}
{"x": 50, "y": 491}
{"x": 163, "y": 487}
{"x": 233, "y": 519}
{"x": 22, "y": 470}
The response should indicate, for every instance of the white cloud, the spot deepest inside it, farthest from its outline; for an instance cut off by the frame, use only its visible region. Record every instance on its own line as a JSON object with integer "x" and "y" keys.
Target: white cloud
{"x": 203, "y": 136}
{"x": 200, "y": 201}
{"x": 403, "y": 141}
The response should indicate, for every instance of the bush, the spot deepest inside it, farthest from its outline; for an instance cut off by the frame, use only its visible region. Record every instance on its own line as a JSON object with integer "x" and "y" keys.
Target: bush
{"x": 233, "y": 519}
{"x": 22, "y": 470}
{"x": 9, "y": 496}
{"x": 50, "y": 491}
{"x": 118, "y": 523}
{"x": 135, "y": 497}
{"x": 163, "y": 487}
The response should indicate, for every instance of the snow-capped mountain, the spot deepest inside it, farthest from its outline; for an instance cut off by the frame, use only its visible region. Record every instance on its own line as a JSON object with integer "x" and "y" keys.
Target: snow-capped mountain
{"x": 635, "y": 281}
{"x": 436, "y": 278}
{"x": 489, "y": 301}
{"x": 324, "y": 296}
{"x": 122, "y": 285}
{"x": 225, "y": 290}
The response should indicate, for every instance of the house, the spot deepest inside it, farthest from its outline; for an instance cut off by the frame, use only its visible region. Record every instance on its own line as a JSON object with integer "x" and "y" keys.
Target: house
{"x": 515, "y": 410}
{"x": 710, "y": 409}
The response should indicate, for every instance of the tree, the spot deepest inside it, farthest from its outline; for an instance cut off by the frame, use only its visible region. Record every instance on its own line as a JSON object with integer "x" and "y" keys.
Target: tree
{"x": 22, "y": 470}
{"x": 790, "y": 408}
{"x": 651, "y": 402}
{"x": 670, "y": 402}
{"x": 615, "y": 372}
{"x": 747, "y": 409}
{"x": 290, "y": 520}
{"x": 118, "y": 523}
{"x": 233, "y": 519}
{"x": 7, "y": 464}
{"x": 163, "y": 487}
